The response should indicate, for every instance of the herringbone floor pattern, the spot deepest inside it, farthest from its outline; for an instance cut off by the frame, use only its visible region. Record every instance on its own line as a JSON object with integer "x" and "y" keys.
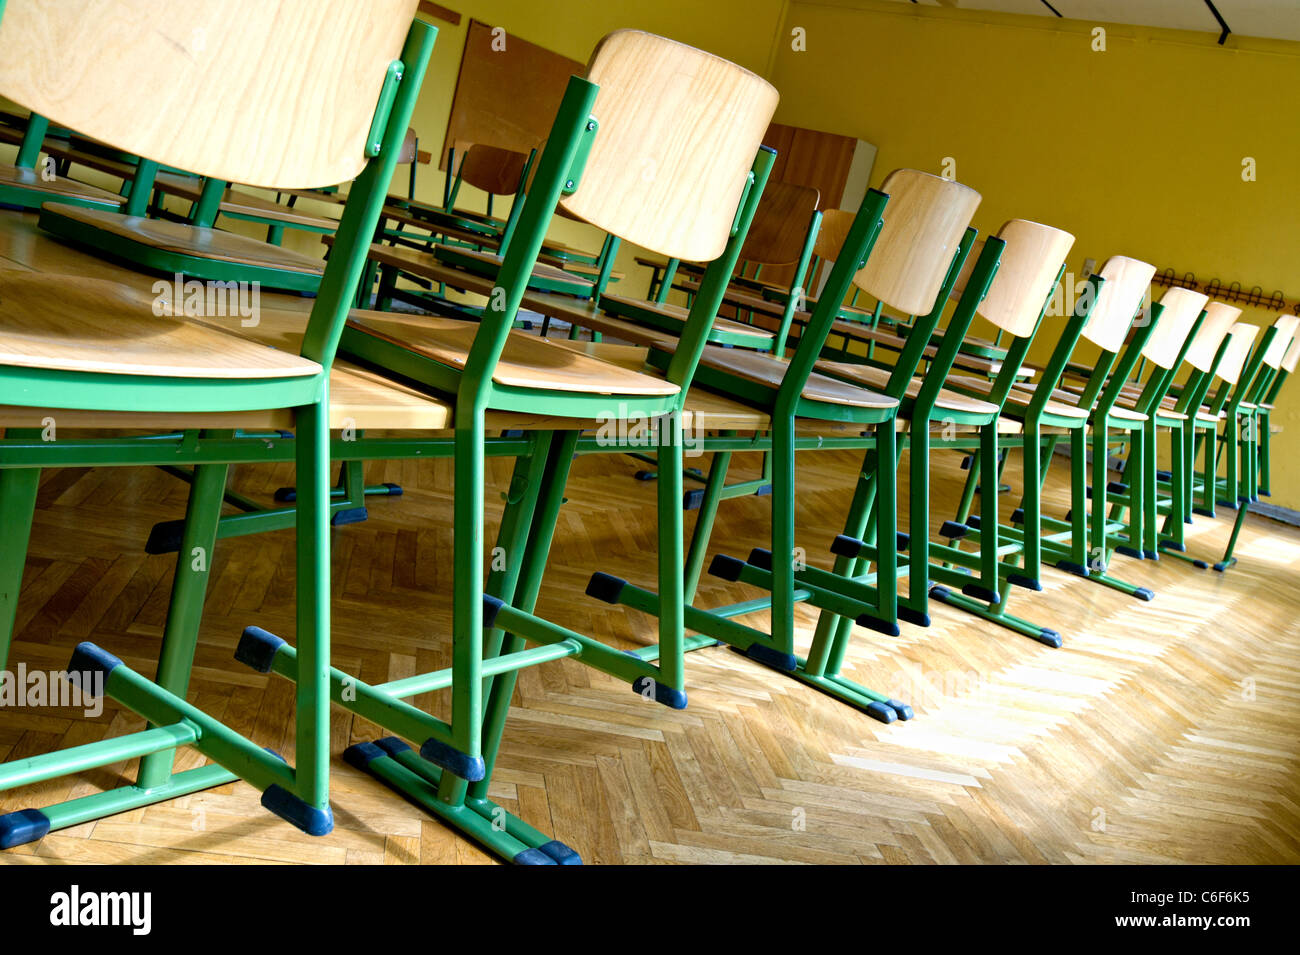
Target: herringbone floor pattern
{"x": 1162, "y": 732}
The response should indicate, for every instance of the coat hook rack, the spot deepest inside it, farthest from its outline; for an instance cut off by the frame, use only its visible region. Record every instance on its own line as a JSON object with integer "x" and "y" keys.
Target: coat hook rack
{"x": 1233, "y": 292}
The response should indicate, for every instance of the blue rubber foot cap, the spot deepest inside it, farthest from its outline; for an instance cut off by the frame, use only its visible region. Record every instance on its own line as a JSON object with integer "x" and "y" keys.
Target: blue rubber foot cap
{"x": 659, "y": 692}
{"x": 882, "y": 712}
{"x": 764, "y": 490}
{"x": 1116, "y": 487}
{"x": 313, "y": 821}
{"x": 1020, "y": 580}
{"x": 605, "y": 587}
{"x": 1049, "y": 638}
{"x": 362, "y": 755}
{"x": 693, "y": 499}
{"x": 973, "y": 521}
{"x": 981, "y": 593}
{"x": 1018, "y": 516}
{"x": 1142, "y": 593}
{"x": 286, "y": 495}
{"x": 1200, "y": 564}
{"x": 761, "y": 653}
{"x": 1129, "y": 551}
{"x": 888, "y": 628}
{"x": 392, "y": 745}
{"x": 491, "y": 607}
{"x": 88, "y": 658}
{"x": 394, "y": 490}
{"x": 727, "y": 568}
{"x": 844, "y": 546}
{"x": 1070, "y": 567}
{"x": 561, "y": 853}
{"x": 937, "y": 592}
{"x": 257, "y": 648}
{"x": 21, "y": 827}
{"x": 1203, "y": 511}
{"x": 1173, "y": 545}
{"x": 533, "y": 857}
{"x": 915, "y": 617}
{"x": 902, "y": 709}
{"x": 761, "y": 558}
{"x": 953, "y": 530}
{"x": 903, "y": 540}
{"x": 1151, "y": 554}
{"x": 468, "y": 768}
{"x": 349, "y": 515}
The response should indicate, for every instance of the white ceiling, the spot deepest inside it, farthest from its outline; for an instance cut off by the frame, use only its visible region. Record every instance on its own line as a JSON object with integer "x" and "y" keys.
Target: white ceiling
{"x": 1279, "y": 19}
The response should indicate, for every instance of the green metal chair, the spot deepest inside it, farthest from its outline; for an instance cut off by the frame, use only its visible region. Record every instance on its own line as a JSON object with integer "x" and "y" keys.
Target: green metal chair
{"x": 1245, "y": 380}
{"x": 913, "y": 261}
{"x": 710, "y": 116}
{"x": 1178, "y": 411}
{"x": 68, "y": 343}
{"x": 1289, "y": 362}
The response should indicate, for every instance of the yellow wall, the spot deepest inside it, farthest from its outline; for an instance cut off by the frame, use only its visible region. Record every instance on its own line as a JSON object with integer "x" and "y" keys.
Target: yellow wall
{"x": 1136, "y": 150}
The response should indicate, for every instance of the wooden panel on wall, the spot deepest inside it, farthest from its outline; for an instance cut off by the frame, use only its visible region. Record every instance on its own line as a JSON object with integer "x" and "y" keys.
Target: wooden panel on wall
{"x": 507, "y": 92}
{"x": 836, "y": 166}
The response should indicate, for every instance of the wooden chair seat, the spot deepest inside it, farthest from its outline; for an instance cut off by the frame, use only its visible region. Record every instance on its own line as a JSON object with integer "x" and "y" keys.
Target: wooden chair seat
{"x": 707, "y": 410}
{"x": 59, "y": 185}
{"x": 877, "y": 379}
{"x": 1119, "y": 412}
{"x": 183, "y": 239}
{"x": 540, "y": 270}
{"x": 1018, "y": 398}
{"x": 753, "y": 337}
{"x": 527, "y": 362}
{"x": 765, "y": 369}
{"x": 242, "y": 203}
{"x": 71, "y": 323}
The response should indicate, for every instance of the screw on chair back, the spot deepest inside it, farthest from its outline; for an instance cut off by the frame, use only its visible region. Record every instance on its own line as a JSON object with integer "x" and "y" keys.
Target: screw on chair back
{"x": 1125, "y": 288}
{"x": 1219, "y": 321}
{"x": 1182, "y": 307}
{"x": 1240, "y": 337}
{"x": 923, "y": 224}
{"x": 780, "y": 226}
{"x": 1027, "y": 274}
{"x": 269, "y": 94}
{"x": 678, "y": 132}
{"x": 494, "y": 170}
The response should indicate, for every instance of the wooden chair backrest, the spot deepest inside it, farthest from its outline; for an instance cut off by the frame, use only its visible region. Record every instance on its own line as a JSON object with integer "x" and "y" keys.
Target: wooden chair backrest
{"x": 1182, "y": 307}
{"x": 494, "y": 170}
{"x": 923, "y": 224}
{"x": 1282, "y": 338}
{"x": 780, "y": 225}
{"x": 831, "y": 236}
{"x": 1292, "y": 357}
{"x": 679, "y": 129}
{"x": 1240, "y": 338}
{"x": 276, "y": 94}
{"x": 1219, "y": 319}
{"x": 1127, "y": 281}
{"x": 1027, "y": 270}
